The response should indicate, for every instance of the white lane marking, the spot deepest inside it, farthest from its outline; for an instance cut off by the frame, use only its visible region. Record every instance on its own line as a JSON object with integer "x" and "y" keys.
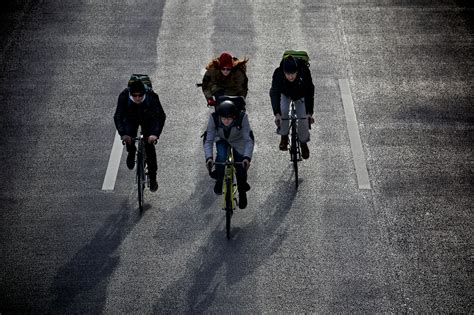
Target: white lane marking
{"x": 354, "y": 136}
{"x": 114, "y": 163}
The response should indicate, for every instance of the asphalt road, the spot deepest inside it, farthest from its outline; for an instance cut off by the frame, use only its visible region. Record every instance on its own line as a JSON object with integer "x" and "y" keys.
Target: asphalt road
{"x": 405, "y": 245}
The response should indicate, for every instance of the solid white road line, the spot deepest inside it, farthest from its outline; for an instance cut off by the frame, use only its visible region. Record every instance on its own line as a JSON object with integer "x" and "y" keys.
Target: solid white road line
{"x": 354, "y": 137}
{"x": 114, "y": 163}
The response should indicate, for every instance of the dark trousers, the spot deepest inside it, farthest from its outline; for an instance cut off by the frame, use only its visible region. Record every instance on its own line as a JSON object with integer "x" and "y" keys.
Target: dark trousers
{"x": 149, "y": 149}
{"x": 150, "y": 157}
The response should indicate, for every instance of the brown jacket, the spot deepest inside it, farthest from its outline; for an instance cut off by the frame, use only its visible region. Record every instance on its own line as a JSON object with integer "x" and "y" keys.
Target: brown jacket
{"x": 215, "y": 84}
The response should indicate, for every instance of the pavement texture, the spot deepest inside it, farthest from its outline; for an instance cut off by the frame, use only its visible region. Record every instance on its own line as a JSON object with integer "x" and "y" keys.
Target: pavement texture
{"x": 404, "y": 246}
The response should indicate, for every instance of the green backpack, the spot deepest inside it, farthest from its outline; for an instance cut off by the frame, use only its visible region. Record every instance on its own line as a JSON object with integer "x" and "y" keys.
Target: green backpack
{"x": 297, "y": 54}
{"x": 142, "y": 77}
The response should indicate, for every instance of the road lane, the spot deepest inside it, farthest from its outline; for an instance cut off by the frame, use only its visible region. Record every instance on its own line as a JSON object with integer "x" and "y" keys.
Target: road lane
{"x": 402, "y": 246}
{"x": 353, "y": 130}
{"x": 114, "y": 163}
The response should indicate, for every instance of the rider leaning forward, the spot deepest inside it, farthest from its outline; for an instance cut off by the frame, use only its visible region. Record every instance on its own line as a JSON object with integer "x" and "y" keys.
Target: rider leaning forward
{"x": 292, "y": 81}
{"x": 229, "y": 126}
{"x": 138, "y": 107}
{"x": 225, "y": 76}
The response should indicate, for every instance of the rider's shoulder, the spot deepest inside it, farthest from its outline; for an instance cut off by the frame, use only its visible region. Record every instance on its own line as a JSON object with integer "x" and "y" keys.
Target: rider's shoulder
{"x": 152, "y": 93}
{"x": 123, "y": 96}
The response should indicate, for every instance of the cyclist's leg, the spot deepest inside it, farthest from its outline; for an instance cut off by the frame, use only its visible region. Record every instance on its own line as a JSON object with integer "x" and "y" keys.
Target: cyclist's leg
{"x": 131, "y": 130}
{"x": 152, "y": 165}
{"x": 284, "y": 107}
{"x": 221, "y": 148}
{"x": 151, "y": 159}
{"x": 241, "y": 175}
{"x": 303, "y": 126}
{"x": 284, "y": 123}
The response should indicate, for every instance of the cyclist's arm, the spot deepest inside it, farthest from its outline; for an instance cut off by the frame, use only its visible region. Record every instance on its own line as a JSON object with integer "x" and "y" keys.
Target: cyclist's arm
{"x": 120, "y": 112}
{"x": 249, "y": 142}
{"x": 160, "y": 116}
{"x": 241, "y": 83}
{"x": 208, "y": 84}
{"x": 275, "y": 91}
{"x": 209, "y": 138}
{"x": 309, "y": 93}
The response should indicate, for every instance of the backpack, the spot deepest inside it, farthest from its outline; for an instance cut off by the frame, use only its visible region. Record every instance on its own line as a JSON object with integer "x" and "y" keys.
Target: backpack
{"x": 299, "y": 55}
{"x": 142, "y": 77}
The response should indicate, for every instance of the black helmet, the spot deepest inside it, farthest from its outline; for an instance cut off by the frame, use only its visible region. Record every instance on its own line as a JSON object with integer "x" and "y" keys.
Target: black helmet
{"x": 227, "y": 109}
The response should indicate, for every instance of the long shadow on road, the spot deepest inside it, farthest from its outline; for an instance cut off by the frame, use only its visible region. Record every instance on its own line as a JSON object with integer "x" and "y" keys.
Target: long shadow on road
{"x": 220, "y": 264}
{"x": 88, "y": 271}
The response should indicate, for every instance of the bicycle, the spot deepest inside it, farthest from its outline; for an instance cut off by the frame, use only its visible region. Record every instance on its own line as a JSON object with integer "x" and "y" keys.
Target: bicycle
{"x": 229, "y": 189}
{"x": 295, "y": 145}
{"x": 142, "y": 178}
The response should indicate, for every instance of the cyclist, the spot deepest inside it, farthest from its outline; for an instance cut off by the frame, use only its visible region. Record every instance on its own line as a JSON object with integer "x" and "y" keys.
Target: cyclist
{"x": 292, "y": 81}
{"x": 229, "y": 126}
{"x": 137, "y": 106}
{"x": 225, "y": 76}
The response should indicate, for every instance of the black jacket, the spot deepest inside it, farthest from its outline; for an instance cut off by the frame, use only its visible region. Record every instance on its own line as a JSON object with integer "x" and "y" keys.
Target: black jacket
{"x": 302, "y": 87}
{"x": 149, "y": 114}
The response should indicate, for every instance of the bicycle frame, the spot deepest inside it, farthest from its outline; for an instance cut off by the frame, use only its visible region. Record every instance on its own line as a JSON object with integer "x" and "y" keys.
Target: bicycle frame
{"x": 295, "y": 146}
{"x": 230, "y": 183}
{"x": 230, "y": 188}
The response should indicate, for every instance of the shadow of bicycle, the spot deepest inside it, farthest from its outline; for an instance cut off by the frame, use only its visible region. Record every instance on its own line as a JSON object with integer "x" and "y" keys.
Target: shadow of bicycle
{"x": 220, "y": 263}
{"x": 91, "y": 267}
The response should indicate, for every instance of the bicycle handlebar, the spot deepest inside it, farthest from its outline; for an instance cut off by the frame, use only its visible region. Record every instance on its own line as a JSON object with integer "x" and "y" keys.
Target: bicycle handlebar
{"x": 135, "y": 139}
{"x": 294, "y": 118}
{"x": 227, "y": 163}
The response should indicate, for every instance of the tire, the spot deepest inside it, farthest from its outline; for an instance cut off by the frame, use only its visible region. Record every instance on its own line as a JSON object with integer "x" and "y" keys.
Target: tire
{"x": 228, "y": 206}
{"x": 140, "y": 180}
{"x": 294, "y": 153}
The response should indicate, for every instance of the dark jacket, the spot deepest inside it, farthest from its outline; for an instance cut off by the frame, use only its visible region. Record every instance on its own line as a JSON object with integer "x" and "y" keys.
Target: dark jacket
{"x": 302, "y": 87}
{"x": 214, "y": 83}
{"x": 149, "y": 114}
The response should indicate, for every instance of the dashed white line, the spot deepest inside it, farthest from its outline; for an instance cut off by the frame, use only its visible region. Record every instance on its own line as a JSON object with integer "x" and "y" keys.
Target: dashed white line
{"x": 354, "y": 136}
{"x": 114, "y": 163}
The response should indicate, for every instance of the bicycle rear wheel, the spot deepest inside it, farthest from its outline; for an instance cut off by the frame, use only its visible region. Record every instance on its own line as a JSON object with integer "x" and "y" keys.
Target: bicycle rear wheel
{"x": 140, "y": 180}
{"x": 228, "y": 206}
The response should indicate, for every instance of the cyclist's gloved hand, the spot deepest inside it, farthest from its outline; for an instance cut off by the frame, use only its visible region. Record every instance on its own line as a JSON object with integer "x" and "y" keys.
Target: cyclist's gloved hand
{"x": 277, "y": 120}
{"x": 310, "y": 119}
{"x": 152, "y": 139}
{"x": 246, "y": 163}
{"x": 211, "y": 102}
{"x": 209, "y": 164}
{"x": 126, "y": 139}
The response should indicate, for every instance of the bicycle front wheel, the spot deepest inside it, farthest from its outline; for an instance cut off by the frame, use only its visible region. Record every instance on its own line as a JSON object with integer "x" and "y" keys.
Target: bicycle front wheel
{"x": 295, "y": 167}
{"x": 228, "y": 206}
{"x": 140, "y": 180}
{"x": 294, "y": 154}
